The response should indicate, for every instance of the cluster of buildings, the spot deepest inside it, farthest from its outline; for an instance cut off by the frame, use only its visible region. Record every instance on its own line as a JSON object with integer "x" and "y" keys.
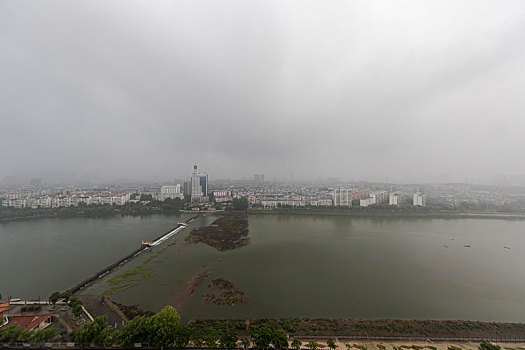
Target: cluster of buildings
{"x": 17, "y": 200}
{"x": 263, "y": 193}
{"x": 339, "y": 196}
{"x": 30, "y": 321}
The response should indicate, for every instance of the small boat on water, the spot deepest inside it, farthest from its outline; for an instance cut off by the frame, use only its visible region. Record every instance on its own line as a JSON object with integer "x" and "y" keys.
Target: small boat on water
{"x": 467, "y": 245}
{"x": 182, "y": 223}
{"x": 146, "y": 243}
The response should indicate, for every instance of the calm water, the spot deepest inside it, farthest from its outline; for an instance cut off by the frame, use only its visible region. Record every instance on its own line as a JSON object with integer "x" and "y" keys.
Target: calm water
{"x": 40, "y": 256}
{"x": 294, "y": 266}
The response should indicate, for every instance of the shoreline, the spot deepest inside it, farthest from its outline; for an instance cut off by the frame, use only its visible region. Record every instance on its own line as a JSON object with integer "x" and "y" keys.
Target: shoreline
{"x": 390, "y": 214}
{"x": 388, "y": 329}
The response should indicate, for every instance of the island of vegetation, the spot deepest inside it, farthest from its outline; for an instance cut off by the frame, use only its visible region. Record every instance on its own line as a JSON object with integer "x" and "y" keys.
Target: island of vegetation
{"x": 223, "y": 292}
{"x": 226, "y": 233}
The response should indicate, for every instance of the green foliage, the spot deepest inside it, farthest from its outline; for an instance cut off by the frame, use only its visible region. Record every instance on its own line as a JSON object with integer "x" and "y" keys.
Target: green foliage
{"x": 66, "y": 295}
{"x": 0, "y": 296}
{"x": 96, "y": 332}
{"x": 296, "y": 344}
{"x": 290, "y": 324}
{"x": 182, "y": 336}
{"x": 31, "y": 308}
{"x": 239, "y": 203}
{"x": 312, "y": 345}
{"x": 349, "y": 346}
{"x": 331, "y": 343}
{"x": 77, "y": 310}
{"x": 262, "y": 336}
{"x": 229, "y": 339}
{"x": 157, "y": 330}
{"x": 279, "y": 339}
{"x": 13, "y": 333}
{"x": 73, "y": 302}
{"x": 362, "y": 347}
{"x": 210, "y": 339}
{"x": 42, "y": 335}
{"x": 485, "y": 345}
{"x": 53, "y": 298}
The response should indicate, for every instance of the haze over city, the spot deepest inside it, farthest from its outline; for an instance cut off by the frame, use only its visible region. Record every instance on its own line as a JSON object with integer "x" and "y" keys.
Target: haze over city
{"x": 404, "y": 90}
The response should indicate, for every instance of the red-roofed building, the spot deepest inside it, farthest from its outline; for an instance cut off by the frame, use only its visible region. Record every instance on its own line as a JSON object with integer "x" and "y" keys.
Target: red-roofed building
{"x": 31, "y": 322}
{"x": 4, "y": 306}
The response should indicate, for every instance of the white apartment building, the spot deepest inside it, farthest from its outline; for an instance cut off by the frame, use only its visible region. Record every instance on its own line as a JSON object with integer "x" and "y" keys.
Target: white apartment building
{"x": 16, "y": 203}
{"x": 377, "y": 197}
{"x": 395, "y": 198}
{"x": 169, "y": 192}
{"x": 419, "y": 199}
{"x": 222, "y": 196}
{"x": 342, "y": 196}
{"x": 280, "y": 203}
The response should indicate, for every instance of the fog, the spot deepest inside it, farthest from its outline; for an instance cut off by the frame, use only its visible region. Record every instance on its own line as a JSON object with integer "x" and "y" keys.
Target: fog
{"x": 355, "y": 89}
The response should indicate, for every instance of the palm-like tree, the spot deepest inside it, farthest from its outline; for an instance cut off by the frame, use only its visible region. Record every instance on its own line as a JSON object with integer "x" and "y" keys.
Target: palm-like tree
{"x": 296, "y": 344}
{"x": 312, "y": 345}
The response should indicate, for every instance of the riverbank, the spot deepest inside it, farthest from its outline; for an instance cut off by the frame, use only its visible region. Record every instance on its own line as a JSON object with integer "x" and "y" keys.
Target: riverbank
{"x": 438, "y": 330}
{"x": 363, "y": 213}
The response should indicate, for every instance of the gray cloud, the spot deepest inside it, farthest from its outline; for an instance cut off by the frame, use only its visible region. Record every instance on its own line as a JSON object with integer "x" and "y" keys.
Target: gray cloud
{"x": 361, "y": 89}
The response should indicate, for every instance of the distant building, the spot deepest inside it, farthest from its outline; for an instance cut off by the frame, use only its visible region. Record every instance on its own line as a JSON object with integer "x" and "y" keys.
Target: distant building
{"x": 419, "y": 199}
{"x": 31, "y": 322}
{"x": 379, "y": 197}
{"x": 187, "y": 188}
{"x": 222, "y": 196}
{"x": 360, "y": 194}
{"x": 199, "y": 186}
{"x": 342, "y": 196}
{"x": 376, "y": 197}
{"x": 258, "y": 178}
{"x": 171, "y": 192}
{"x": 395, "y": 198}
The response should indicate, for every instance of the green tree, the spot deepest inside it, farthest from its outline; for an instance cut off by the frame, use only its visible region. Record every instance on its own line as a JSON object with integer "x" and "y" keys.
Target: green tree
{"x": 240, "y": 203}
{"x": 10, "y": 333}
{"x": 261, "y": 336}
{"x": 312, "y": 345}
{"x": 42, "y": 335}
{"x": 53, "y": 298}
{"x": 157, "y": 330}
{"x": 229, "y": 339}
{"x": 0, "y": 296}
{"x": 279, "y": 339}
{"x": 331, "y": 343}
{"x": 164, "y": 326}
{"x": 77, "y": 310}
{"x": 74, "y": 302}
{"x": 296, "y": 344}
{"x": 485, "y": 345}
{"x": 66, "y": 295}
{"x": 182, "y": 336}
{"x": 135, "y": 331}
{"x": 96, "y": 332}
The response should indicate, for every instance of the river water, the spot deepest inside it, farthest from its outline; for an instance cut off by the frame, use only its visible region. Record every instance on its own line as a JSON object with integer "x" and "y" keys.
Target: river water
{"x": 293, "y": 267}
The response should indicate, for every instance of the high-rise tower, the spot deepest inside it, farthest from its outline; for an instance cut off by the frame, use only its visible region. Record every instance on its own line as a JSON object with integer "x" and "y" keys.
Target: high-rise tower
{"x": 199, "y": 185}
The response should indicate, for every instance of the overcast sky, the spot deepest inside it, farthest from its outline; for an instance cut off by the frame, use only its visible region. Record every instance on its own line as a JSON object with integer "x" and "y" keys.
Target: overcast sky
{"x": 355, "y": 89}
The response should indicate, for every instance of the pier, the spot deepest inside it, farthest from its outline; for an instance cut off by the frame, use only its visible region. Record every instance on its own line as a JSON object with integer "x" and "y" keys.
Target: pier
{"x": 81, "y": 285}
